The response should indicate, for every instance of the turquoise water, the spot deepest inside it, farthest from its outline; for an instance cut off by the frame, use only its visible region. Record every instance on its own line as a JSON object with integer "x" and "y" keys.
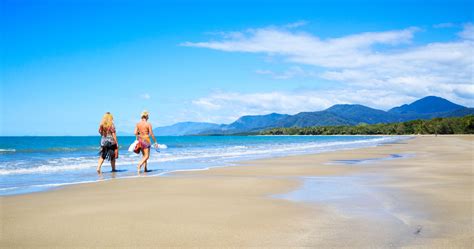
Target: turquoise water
{"x": 29, "y": 164}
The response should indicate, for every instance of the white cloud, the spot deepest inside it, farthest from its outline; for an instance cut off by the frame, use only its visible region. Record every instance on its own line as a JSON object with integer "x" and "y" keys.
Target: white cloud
{"x": 378, "y": 69}
{"x": 444, "y": 25}
{"x": 145, "y": 96}
{"x": 206, "y": 104}
{"x": 231, "y": 105}
{"x": 295, "y": 24}
{"x": 300, "y": 47}
{"x": 290, "y": 73}
{"x": 468, "y": 32}
{"x": 355, "y": 59}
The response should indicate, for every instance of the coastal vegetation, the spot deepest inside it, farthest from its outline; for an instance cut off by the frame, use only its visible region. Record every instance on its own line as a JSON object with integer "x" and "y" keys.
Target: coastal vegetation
{"x": 455, "y": 125}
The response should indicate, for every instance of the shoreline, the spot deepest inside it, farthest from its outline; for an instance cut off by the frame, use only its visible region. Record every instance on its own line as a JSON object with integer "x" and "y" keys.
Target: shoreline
{"x": 228, "y": 206}
{"x": 117, "y": 175}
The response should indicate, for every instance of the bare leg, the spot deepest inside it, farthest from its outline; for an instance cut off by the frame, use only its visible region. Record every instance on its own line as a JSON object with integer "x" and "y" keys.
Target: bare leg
{"x": 139, "y": 167}
{"x": 101, "y": 161}
{"x": 112, "y": 163}
{"x": 146, "y": 155}
{"x": 146, "y": 162}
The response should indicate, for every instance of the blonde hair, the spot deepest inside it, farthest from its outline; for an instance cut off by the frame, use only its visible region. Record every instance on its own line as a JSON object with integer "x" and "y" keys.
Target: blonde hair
{"x": 107, "y": 120}
{"x": 144, "y": 114}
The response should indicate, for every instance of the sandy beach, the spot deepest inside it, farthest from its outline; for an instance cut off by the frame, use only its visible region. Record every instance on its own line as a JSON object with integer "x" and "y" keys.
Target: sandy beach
{"x": 417, "y": 193}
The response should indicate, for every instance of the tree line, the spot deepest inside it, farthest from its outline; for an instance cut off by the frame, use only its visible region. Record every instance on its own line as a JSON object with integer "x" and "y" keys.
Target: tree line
{"x": 457, "y": 125}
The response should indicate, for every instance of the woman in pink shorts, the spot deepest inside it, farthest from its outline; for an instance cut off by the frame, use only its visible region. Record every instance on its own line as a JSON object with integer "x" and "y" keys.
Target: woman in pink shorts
{"x": 143, "y": 131}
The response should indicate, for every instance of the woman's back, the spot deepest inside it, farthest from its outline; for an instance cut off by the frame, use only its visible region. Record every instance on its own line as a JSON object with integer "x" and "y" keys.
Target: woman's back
{"x": 143, "y": 128}
{"x": 106, "y": 131}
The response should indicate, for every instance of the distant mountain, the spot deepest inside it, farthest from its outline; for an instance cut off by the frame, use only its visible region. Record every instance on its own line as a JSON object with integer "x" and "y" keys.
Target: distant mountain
{"x": 254, "y": 123}
{"x": 342, "y": 114}
{"x": 321, "y": 118}
{"x": 458, "y": 113}
{"x": 247, "y": 124}
{"x": 185, "y": 128}
{"x": 427, "y": 105}
{"x": 335, "y": 115}
{"x": 363, "y": 114}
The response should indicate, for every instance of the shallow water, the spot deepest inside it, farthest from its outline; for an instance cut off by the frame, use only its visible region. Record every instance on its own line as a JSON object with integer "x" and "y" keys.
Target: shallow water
{"x": 370, "y": 160}
{"x": 29, "y": 164}
{"x": 361, "y": 196}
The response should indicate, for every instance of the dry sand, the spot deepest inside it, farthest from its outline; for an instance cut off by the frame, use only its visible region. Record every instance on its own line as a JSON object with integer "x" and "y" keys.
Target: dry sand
{"x": 423, "y": 201}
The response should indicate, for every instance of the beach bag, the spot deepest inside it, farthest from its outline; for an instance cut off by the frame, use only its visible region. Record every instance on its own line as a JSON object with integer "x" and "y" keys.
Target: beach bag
{"x": 132, "y": 146}
{"x": 138, "y": 147}
{"x": 135, "y": 147}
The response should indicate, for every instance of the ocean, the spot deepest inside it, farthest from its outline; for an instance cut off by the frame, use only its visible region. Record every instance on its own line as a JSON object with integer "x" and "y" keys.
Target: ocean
{"x": 31, "y": 164}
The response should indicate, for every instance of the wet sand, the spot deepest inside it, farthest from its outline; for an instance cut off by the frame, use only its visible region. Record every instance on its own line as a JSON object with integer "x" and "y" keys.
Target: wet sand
{"x": 422, "y": 200}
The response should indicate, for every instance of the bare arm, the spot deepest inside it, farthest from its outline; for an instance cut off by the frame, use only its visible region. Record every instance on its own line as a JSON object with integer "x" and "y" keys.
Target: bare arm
{"x": 151, "y": 133}
{"x": 115, "y": 138}
{"x": 114, "y": 134}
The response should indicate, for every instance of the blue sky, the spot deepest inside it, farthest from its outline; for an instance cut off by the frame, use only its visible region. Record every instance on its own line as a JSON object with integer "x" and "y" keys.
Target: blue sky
{"x": 65, "y": 63}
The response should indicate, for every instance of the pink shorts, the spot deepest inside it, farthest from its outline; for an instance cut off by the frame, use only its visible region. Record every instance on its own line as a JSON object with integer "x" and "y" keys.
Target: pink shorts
{"x": 144, "y": 144}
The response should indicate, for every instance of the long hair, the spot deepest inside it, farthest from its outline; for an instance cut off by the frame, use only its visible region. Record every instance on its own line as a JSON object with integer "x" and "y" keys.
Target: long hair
{"x": 107, "y": 121}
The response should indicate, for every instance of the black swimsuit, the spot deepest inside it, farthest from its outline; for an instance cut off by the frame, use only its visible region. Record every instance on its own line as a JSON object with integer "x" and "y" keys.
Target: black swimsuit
{"x": 108, "y": 145}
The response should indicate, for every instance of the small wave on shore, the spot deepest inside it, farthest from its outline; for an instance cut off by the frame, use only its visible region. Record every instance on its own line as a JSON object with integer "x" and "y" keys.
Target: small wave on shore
{"x": 47, "y": 166}
{"x": 7, "y": 151}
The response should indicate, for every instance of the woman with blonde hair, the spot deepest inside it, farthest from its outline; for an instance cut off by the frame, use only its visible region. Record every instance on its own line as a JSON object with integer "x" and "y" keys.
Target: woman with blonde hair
{"x": 108, "y": 141}
{"x": 143, "y": 131}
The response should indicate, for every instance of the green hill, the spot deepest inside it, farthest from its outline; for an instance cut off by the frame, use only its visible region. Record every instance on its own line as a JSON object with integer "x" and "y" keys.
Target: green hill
{"x": 457, "y": 125}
